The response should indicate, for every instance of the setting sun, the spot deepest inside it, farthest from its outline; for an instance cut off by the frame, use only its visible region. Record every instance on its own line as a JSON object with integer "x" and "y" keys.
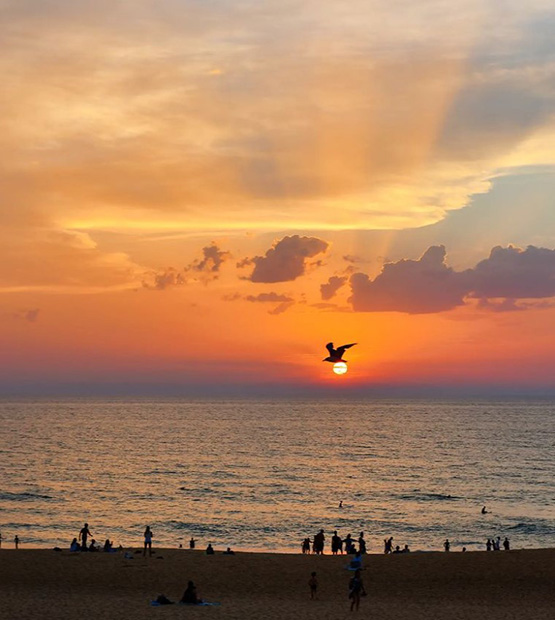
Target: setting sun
{"x": 340, "y": 368}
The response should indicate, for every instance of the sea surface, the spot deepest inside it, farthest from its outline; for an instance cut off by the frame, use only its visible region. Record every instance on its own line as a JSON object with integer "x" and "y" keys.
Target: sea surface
{"x": 264, "y": 474}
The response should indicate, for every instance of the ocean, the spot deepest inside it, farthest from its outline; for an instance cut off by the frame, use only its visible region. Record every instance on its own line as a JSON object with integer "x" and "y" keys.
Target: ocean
{"x": 264, "y": 474}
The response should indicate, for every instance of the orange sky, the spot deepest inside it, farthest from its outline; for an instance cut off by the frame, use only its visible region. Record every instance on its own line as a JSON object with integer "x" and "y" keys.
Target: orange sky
{"x": 179, "y": 181}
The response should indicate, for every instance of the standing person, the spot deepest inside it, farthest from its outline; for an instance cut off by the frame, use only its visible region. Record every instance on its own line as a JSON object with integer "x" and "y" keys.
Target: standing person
{"x": 388, "y": 545}
{"x": 447, "y": 545}
{"x": 306, "y": 545}
{"x": 148, "y": 541}
{"x": 361, "y": 544}
{"x": 16, "y": 541}
{"x": 313, "y": 585}
{"x": 336, "y": 543}
{"x": 488, "y": 545}
{"x": 497, "y": 544}
{"x": 356, "y": 590}
{"x": 0, "y": 540}
{"x": 318, "y": 544}
{"x": 83, "y": 535}
{"x": 192, "y": 543}
{"x": 506, "y": 544}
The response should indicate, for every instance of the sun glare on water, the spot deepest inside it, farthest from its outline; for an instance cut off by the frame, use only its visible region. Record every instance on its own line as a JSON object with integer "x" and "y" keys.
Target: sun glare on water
{"x": 340, "y": 368}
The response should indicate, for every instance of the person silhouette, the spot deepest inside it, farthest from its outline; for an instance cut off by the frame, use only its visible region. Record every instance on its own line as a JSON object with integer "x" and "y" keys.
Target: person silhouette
{"x": 16, "y": 541}
{"x": 484, "y": 511}
{"x": 84, "y": 533}
{"x": 361, "y": 544}
{"x": 192, "y": 543}
{"x": 506, "y": 544}
{"x": 313, "y": 585}
{"x": 356, "y": 588}
{"x": 341, "y": 504}
{"x": 447, "y": 545}
{"x": 148, "y": 541}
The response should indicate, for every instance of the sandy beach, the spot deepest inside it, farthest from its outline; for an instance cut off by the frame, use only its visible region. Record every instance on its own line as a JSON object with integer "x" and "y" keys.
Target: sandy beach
{"x": 61, "y": 585}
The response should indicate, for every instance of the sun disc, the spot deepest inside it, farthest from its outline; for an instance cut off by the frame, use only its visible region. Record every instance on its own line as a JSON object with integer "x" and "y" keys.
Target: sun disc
{"x": 340, "y": 368}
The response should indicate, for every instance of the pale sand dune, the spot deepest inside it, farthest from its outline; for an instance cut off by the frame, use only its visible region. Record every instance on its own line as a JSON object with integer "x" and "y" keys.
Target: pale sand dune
{"x": 486, "y": 586}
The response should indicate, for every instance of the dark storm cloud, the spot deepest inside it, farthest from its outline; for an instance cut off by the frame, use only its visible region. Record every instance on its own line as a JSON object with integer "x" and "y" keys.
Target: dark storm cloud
{"x": 286, "y": 261}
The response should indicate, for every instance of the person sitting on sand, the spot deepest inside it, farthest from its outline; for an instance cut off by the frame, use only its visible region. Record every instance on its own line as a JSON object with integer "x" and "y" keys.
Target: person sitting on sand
{"x": 148, "y": 541}
{"x": 405, "y": 549}
{"x": 209, "y": 550}
{"x": 313, "y": 585}
{"x": 92, "y": 546}
{"x": 108, "y": 546}
{"x": 397, "y": 549}
{"x": 349, "y": 545}
{"x": 190, "y": 596}
{"x": 356, "y": 590}
{"x": 75, "y": 546}
{"x": 229, "y": 551}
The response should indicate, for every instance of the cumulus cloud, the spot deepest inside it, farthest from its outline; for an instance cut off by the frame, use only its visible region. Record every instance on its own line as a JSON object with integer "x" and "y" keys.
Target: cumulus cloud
{"x": 429, "y": 285}
{"x": 286, "y": 260}
{"x": 330, "y": 288}
{"x": 412, "y": 286}
{"x": 213, "y": 259}
{"x": 167, "y": 278}
{"x": 206, "y": 269}
{"x": 515, "y": 273}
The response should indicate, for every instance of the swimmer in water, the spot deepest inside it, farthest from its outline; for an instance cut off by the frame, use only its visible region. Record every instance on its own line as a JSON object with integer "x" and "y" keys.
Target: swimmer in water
{"x": 484, "y": 511}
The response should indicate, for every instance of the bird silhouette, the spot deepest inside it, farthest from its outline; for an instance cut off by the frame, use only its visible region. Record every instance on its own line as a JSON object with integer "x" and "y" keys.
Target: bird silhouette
{"x": 336, "y": 355}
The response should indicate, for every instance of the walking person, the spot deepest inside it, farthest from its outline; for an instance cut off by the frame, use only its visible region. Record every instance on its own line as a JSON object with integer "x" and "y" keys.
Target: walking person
{"x": 356, "y": 590}
{"x": 148, "y": 541}
{"x": 313, "y": 585}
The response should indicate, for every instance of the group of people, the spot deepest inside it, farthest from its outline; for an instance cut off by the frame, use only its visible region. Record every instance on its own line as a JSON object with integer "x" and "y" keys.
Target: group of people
{"x": 494, "y": 544}
{"x": 338, "y": 545}
{"x": 388, "y": 547}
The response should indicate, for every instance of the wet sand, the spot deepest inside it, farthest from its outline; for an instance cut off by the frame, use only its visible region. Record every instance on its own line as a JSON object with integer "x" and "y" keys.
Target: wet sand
{"x": 479, "y": 585}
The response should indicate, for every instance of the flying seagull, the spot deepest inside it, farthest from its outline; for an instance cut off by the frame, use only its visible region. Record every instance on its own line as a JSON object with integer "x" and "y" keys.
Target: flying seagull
{"x": 336, "y": 355}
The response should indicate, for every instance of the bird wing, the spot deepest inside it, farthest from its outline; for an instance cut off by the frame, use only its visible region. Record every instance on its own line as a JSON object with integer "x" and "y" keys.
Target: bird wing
{"x": 330, "y": 348}
{"x": 342, "y": 348}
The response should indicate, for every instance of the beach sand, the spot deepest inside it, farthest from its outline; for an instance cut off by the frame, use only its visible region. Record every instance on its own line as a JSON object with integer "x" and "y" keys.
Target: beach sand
{"x": 59, "y": 585}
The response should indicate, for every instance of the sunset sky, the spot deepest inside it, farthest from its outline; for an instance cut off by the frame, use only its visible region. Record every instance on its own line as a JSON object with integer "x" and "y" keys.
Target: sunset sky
{"x": 197, "y": 195}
